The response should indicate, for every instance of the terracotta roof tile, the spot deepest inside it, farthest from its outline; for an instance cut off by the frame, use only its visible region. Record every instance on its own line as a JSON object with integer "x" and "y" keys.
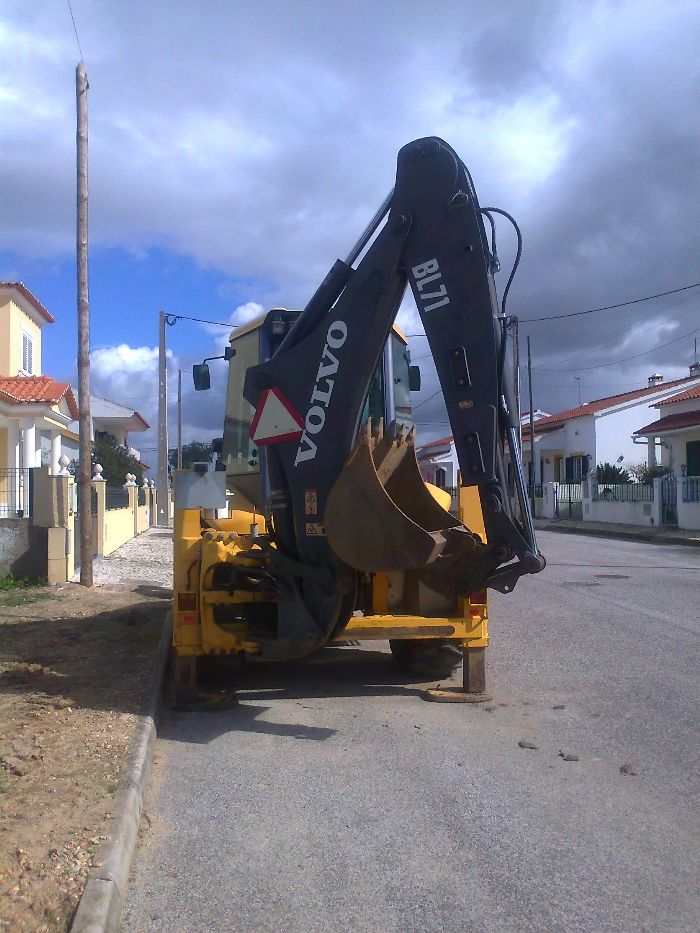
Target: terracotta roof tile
{"x": 601, "y": 404}
{"x": 681, "y": 397}
{"x": 20, "y": 389}
{"x": 31, "y": 298}
{"x": 438, "y": 443}
{"x": 682, "y": 419}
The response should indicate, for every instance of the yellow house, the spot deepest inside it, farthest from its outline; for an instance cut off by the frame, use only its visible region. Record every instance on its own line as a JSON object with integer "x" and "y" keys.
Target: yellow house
{"x": 33, "y": 408}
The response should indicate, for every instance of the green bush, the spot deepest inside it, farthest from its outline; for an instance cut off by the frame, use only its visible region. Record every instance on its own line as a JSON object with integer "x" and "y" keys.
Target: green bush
{"x": 612, "y": 474}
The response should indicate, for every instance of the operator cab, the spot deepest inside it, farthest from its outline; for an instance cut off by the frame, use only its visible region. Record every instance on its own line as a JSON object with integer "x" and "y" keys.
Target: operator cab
{"x": 257, "y": 342}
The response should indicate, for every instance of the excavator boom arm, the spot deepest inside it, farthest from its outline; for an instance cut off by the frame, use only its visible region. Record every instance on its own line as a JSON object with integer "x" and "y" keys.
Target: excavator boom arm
{"x": 434, "y": 241}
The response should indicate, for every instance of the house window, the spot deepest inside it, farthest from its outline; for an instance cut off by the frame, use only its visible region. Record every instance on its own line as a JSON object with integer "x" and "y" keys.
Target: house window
{"x": 692, "y": 458}
{"x": 576, "y": 468}
{"x": 27, "y": 354}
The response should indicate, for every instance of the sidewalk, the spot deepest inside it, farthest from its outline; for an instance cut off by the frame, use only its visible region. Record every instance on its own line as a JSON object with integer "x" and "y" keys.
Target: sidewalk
{"x": 145, "y": 559}
{"x": 665, "y": 535}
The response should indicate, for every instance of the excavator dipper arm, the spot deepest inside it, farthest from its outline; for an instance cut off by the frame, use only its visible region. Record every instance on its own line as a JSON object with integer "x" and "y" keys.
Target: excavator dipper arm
{"x": 346, "y": 497}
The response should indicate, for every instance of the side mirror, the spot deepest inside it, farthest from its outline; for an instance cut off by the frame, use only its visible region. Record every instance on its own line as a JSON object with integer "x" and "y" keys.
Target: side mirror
{"x": 200, "y": 377}
{"x": 217, "y": 444}
{"x": 414, "y": 378}
{"x": 229, "y": 353}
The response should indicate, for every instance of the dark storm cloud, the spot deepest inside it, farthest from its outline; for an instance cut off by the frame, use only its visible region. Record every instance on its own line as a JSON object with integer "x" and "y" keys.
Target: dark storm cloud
{"x": 259, "y": 138}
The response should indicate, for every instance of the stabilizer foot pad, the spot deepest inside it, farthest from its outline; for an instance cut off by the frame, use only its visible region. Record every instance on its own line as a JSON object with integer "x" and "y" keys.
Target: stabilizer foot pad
{"x": 454, "y": 695}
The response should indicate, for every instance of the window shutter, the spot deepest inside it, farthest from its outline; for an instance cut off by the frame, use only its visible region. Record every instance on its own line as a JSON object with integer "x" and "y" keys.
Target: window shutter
{"x": 27, "y": 354}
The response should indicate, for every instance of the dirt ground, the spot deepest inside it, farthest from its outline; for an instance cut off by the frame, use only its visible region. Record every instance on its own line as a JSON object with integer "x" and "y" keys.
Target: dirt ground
{"x": 74, "y": 668}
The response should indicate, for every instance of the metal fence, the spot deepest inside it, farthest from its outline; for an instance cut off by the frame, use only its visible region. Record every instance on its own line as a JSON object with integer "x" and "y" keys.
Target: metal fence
{"x": 691, "y": 488}
{"x": 116, "y": 497}
{"x": 623, "y": 492}
{"x": 93, "y": 498}
{"x": 16, "y": 492}
{"x": 568, "y": 502}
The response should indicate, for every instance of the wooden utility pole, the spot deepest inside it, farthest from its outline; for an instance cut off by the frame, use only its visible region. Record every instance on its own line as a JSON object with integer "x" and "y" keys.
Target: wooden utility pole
{"x": 162, "y": 505}
{"x": 84, "y": 419}
{"x": 531, "y": 477}
{"x": 179, "y": 419}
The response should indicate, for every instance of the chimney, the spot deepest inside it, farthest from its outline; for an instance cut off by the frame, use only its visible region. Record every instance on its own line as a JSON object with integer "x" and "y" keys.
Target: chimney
{"x": 695, "y": 369}
{"x": 655, "y": 379}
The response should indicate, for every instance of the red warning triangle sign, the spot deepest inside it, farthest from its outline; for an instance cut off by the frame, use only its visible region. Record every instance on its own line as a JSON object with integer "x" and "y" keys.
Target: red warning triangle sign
{"x": 275, "y": 419}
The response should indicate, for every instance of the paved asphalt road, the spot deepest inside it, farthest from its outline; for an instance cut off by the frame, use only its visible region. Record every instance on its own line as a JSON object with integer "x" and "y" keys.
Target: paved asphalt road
{"x": 334, "y": 799}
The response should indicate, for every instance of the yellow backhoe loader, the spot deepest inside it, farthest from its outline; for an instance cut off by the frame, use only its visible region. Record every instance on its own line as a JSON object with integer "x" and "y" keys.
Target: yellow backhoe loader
{"x": 316, "y": 524}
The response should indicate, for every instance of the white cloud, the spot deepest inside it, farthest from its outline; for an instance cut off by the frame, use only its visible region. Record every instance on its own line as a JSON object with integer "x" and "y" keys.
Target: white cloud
{"x": 258, "y": 139}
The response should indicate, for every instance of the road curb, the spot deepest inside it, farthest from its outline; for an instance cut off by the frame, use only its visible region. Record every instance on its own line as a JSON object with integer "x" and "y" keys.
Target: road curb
{"x": 101, "y": 903}
{"x": 621, "y": 535}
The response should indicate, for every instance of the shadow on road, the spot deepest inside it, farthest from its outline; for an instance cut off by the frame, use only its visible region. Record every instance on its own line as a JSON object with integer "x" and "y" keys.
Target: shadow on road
{"x": 331, "y": 673}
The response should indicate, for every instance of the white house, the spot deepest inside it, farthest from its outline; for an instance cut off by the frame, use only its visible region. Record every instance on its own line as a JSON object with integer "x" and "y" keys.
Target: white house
{"x": 676, "y": 431}
{"x": 109, "y": 419}
{"x": 570, "y": 443}
{"x": 35, "y": 409}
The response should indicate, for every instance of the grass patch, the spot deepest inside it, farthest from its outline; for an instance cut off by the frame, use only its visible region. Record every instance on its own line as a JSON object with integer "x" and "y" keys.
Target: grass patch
{"x": 10, "y": 584}
{"x": 18, "y": 591}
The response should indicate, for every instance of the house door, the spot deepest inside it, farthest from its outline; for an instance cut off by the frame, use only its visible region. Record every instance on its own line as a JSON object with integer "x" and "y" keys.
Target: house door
{"x": 557, "y": 469}
{"x": 692, "y": 458}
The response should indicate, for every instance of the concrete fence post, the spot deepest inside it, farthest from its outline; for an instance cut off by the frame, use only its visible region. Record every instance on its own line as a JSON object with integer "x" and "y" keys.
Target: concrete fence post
{"x": 548, "y": 499}
{"x": 588, "y": 492}
{"x": 53, "y": 511}
{"x": 133, "y": 490}
{"x": 657, "y": 508}
{"x": 71, "y": 490}
{"x": 100, "y": 487}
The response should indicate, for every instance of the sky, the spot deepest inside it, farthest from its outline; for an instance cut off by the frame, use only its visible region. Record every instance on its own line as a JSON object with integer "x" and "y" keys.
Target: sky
{"x": 237, "y": 150}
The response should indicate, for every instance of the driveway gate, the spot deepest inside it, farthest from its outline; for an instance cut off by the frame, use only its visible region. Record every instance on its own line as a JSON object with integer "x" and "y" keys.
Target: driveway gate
{"x": 669, "y": 507}
{"x": 568, "y": 502}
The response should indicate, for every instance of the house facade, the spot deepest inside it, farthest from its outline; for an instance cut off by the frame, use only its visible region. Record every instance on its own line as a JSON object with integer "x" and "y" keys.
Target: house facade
{"x": 568, "y": 444}
{"x": 675, "y": 433}
{"x": 35, "y": 409}
{"x": 39, "y": 414}
{"x": 109, "y": 419}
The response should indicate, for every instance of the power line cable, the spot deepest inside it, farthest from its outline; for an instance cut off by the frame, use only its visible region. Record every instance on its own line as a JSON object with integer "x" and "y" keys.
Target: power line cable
{"x": 621, "y": 304}
{"x": 199, "y": 320}
{"x": 75, "y": 30}
{"x": 604, "y": 338}
{"x": 416, "y": 407}
{"x": 626, "y": 359}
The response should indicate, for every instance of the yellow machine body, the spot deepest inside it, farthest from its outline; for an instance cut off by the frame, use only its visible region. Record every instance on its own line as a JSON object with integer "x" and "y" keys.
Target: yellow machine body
{"x": 198, "y": 550}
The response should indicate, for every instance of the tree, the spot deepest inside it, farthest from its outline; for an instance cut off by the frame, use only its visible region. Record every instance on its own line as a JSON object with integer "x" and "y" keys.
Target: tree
{"x": 643, "y": 473}
{"x": 195, "y": 452}
{"x": 116, "y": 461}
{"x": 612, "y": 474}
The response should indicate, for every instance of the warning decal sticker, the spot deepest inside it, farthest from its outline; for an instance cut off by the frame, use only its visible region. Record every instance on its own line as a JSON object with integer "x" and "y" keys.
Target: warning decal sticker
{"x": 315, "y": 529}
{"x": 276, "y": 420}
{"x": 311, "y": 502}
